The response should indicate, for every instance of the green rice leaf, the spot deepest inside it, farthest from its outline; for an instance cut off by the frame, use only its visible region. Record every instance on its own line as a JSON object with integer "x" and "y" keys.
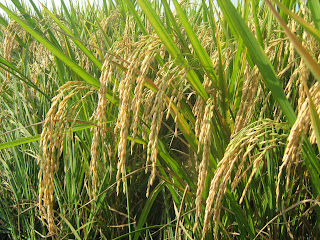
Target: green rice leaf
{"x": 82, "y": 73}
{"x": 147, "y": 208}
{"x": 20, "y": 141}
{"x": 74, "y": 231}
{"x": 74, "y": 39}
{"x": 34, "y": 138}
{"x": 242, "y": 220}
{"x": 203, "y": 56}
{"x": 171, "y": 47}
{"x": 315, "y": 121}
{"x": 175, "y": 26}
{"x": 14, "y": 71}
{"x": 306, "y": 26}
{"x": 315, "y": 11}
{"x": 37, "y": 137}
{"x": 259, "y": 57}
{"x": 139, "y": 230}
{"x": 256, "y": 21}
{"x": 311, "y": 63}
{"x": 269, "y": 76}
{"x": 136, "y": 17}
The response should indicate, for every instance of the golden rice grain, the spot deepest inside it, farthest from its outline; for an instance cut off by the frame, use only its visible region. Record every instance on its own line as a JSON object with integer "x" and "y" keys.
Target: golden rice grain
{"x": 99, "y": 131}
{"x": 122, "y": 124}
{"x": 51, "y": 147}
{"x": 240, "y": 153}
{"x": 205, "y": 141}
{"x": 156, "y": 113}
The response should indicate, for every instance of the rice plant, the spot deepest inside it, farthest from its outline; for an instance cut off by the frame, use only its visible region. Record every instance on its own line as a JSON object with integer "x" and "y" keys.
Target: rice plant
{"x": 162, "y": 119}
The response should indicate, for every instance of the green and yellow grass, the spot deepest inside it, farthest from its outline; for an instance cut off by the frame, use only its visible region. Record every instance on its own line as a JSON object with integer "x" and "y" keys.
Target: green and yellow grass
{"x": 160, "y": 120}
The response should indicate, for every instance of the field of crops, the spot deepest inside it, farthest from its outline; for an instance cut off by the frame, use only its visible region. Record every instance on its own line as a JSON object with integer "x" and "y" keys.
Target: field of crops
{"x": 159, "y": 119}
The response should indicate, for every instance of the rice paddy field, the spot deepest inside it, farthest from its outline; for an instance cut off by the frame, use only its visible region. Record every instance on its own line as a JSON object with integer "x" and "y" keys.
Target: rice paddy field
{"x": 140, "y": 119}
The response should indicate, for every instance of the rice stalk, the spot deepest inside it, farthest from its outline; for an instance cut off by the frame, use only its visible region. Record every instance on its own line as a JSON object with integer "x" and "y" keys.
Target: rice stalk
{"x": 240, "y": 152}
{"x": 99, "y": 131}
{"x": 8, "y": 45}
{"x": 205, "y": 142}
{"x": 51, "y": 148}
{"x": 143, "y": 92}
{"x": 167, "y": 74}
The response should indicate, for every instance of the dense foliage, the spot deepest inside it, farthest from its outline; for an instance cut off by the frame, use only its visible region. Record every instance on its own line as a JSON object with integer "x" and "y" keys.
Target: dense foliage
{"x": 157, "y": 119}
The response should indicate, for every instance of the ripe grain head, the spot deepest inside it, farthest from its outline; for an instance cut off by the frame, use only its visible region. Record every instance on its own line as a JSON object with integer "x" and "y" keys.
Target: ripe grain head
{"x": 241, "y": 154}
{"x": 51, "y": 147}
{"x": 99, "y": 131}
{"x": 205, "y": 144}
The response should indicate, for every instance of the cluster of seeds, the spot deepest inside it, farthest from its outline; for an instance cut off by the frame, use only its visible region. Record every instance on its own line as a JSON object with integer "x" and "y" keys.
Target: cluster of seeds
{"x": 205, "y": 141}
{"x": 52, "y": 142}
{"x": 99, "y": 130}
{"x": 241, "y": 154}
{"x": 301, "y": 127}
{"x": 141, "y": 111}
{"x": 8, "y": 46}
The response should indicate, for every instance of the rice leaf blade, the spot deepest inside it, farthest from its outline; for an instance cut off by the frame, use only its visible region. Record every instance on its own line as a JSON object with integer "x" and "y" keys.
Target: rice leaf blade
{"x": 315, "y": 121}
{"x": 311, "y": 63}
{"x": 147, "y": 208}
{"x": 203, "y": 56}
{"x": 74, "y": 39}
{"x": 259, "y": 57}
{"x": 315, "y": 11}
{"x": 306, "y": 26}
{"x": 171, "y": 47}
{"x": 87, "y": 77}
